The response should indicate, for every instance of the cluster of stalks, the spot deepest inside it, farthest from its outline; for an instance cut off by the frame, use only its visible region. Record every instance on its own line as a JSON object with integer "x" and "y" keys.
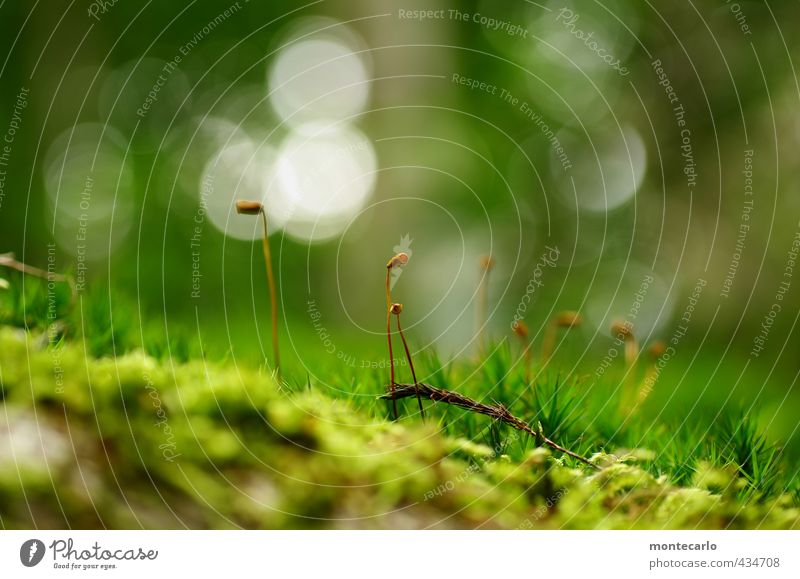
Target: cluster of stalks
{"x": 256, "y": 208}
{"x": 395, "y": 309}
{"x": 563, "y": 321}
{"x": 498, "y": 412}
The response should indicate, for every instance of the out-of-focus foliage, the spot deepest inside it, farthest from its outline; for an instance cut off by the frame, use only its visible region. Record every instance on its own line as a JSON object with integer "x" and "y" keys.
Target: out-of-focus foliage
{"x": 658, "y": 189}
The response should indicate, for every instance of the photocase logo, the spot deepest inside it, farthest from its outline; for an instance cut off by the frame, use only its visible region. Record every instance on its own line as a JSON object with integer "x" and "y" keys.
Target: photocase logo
{"x": 403, "y": 247}
{"x": 32, "y": 552}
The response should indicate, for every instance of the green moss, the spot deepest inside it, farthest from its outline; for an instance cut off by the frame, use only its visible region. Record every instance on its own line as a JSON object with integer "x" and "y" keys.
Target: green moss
{"x": 130, "y": 441}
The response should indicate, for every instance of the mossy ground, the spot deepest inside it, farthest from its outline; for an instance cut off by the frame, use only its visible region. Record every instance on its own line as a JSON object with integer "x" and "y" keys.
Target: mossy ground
{"x": 132, "y": 441}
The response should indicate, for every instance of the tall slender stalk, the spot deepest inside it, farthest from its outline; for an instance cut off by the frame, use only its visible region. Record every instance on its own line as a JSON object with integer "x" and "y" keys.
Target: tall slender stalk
{"x": 566, "y": 319}
{"x": 522, "y": 332}
{"x": 396, "y": 261}
{"x": 389, "y": 339}
{"x": 256, "y": 208}
{"x": 656, "y": 350}
{"x": 486, "y": 265}
{"x": 273, "y": 296}
{"x": 624, "y": 331}
{"x": 397, "y": 309}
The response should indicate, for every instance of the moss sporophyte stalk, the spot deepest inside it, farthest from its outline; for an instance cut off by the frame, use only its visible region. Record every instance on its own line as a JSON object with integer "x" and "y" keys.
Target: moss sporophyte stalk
{"x": 396, "y": 261}
{"x": 563, "y": 320}
{"x": 522, "y": 332}
{"x": 397, "y": 309}
{"x": 623, "y": 331}
{"x": 257, "y": 208}
{"x": 392, "y": 308}
{"x": 486, "y": 265}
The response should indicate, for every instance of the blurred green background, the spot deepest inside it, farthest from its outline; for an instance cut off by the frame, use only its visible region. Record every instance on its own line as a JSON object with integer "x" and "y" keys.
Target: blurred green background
{"x": 369, "y": 128}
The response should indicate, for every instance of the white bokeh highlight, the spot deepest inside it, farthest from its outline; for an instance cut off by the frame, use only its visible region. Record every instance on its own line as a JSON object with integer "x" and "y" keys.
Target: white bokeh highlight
{"x": 611, "y": 169}
{"x": 323, "y": 177}
{"x": 320, "y": 79}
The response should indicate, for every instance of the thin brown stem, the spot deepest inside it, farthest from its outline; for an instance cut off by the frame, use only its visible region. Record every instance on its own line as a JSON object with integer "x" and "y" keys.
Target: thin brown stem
{"x": 629, "y": 380}
{"x": 482, "y": 311}
{"x": 272, "y": 295}
{"x": 643, "y": 391}
{"x": 497, "y": 412}
{"x": 482, "y": 306}
{"x": 411, "y": 365}
{"x": 527, "y": 364}
{"x": 482, "y": 301}
{"x": 549, "y": 342}
{"x": 521, "y": 330}
{"x": 631, "y": 351}
{"x": 389, "y": 337}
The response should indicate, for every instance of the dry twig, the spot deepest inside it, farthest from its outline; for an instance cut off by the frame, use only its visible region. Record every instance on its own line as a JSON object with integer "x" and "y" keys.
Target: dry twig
{"x": 8, "y": 260}
{"x": 496, "y": 411}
